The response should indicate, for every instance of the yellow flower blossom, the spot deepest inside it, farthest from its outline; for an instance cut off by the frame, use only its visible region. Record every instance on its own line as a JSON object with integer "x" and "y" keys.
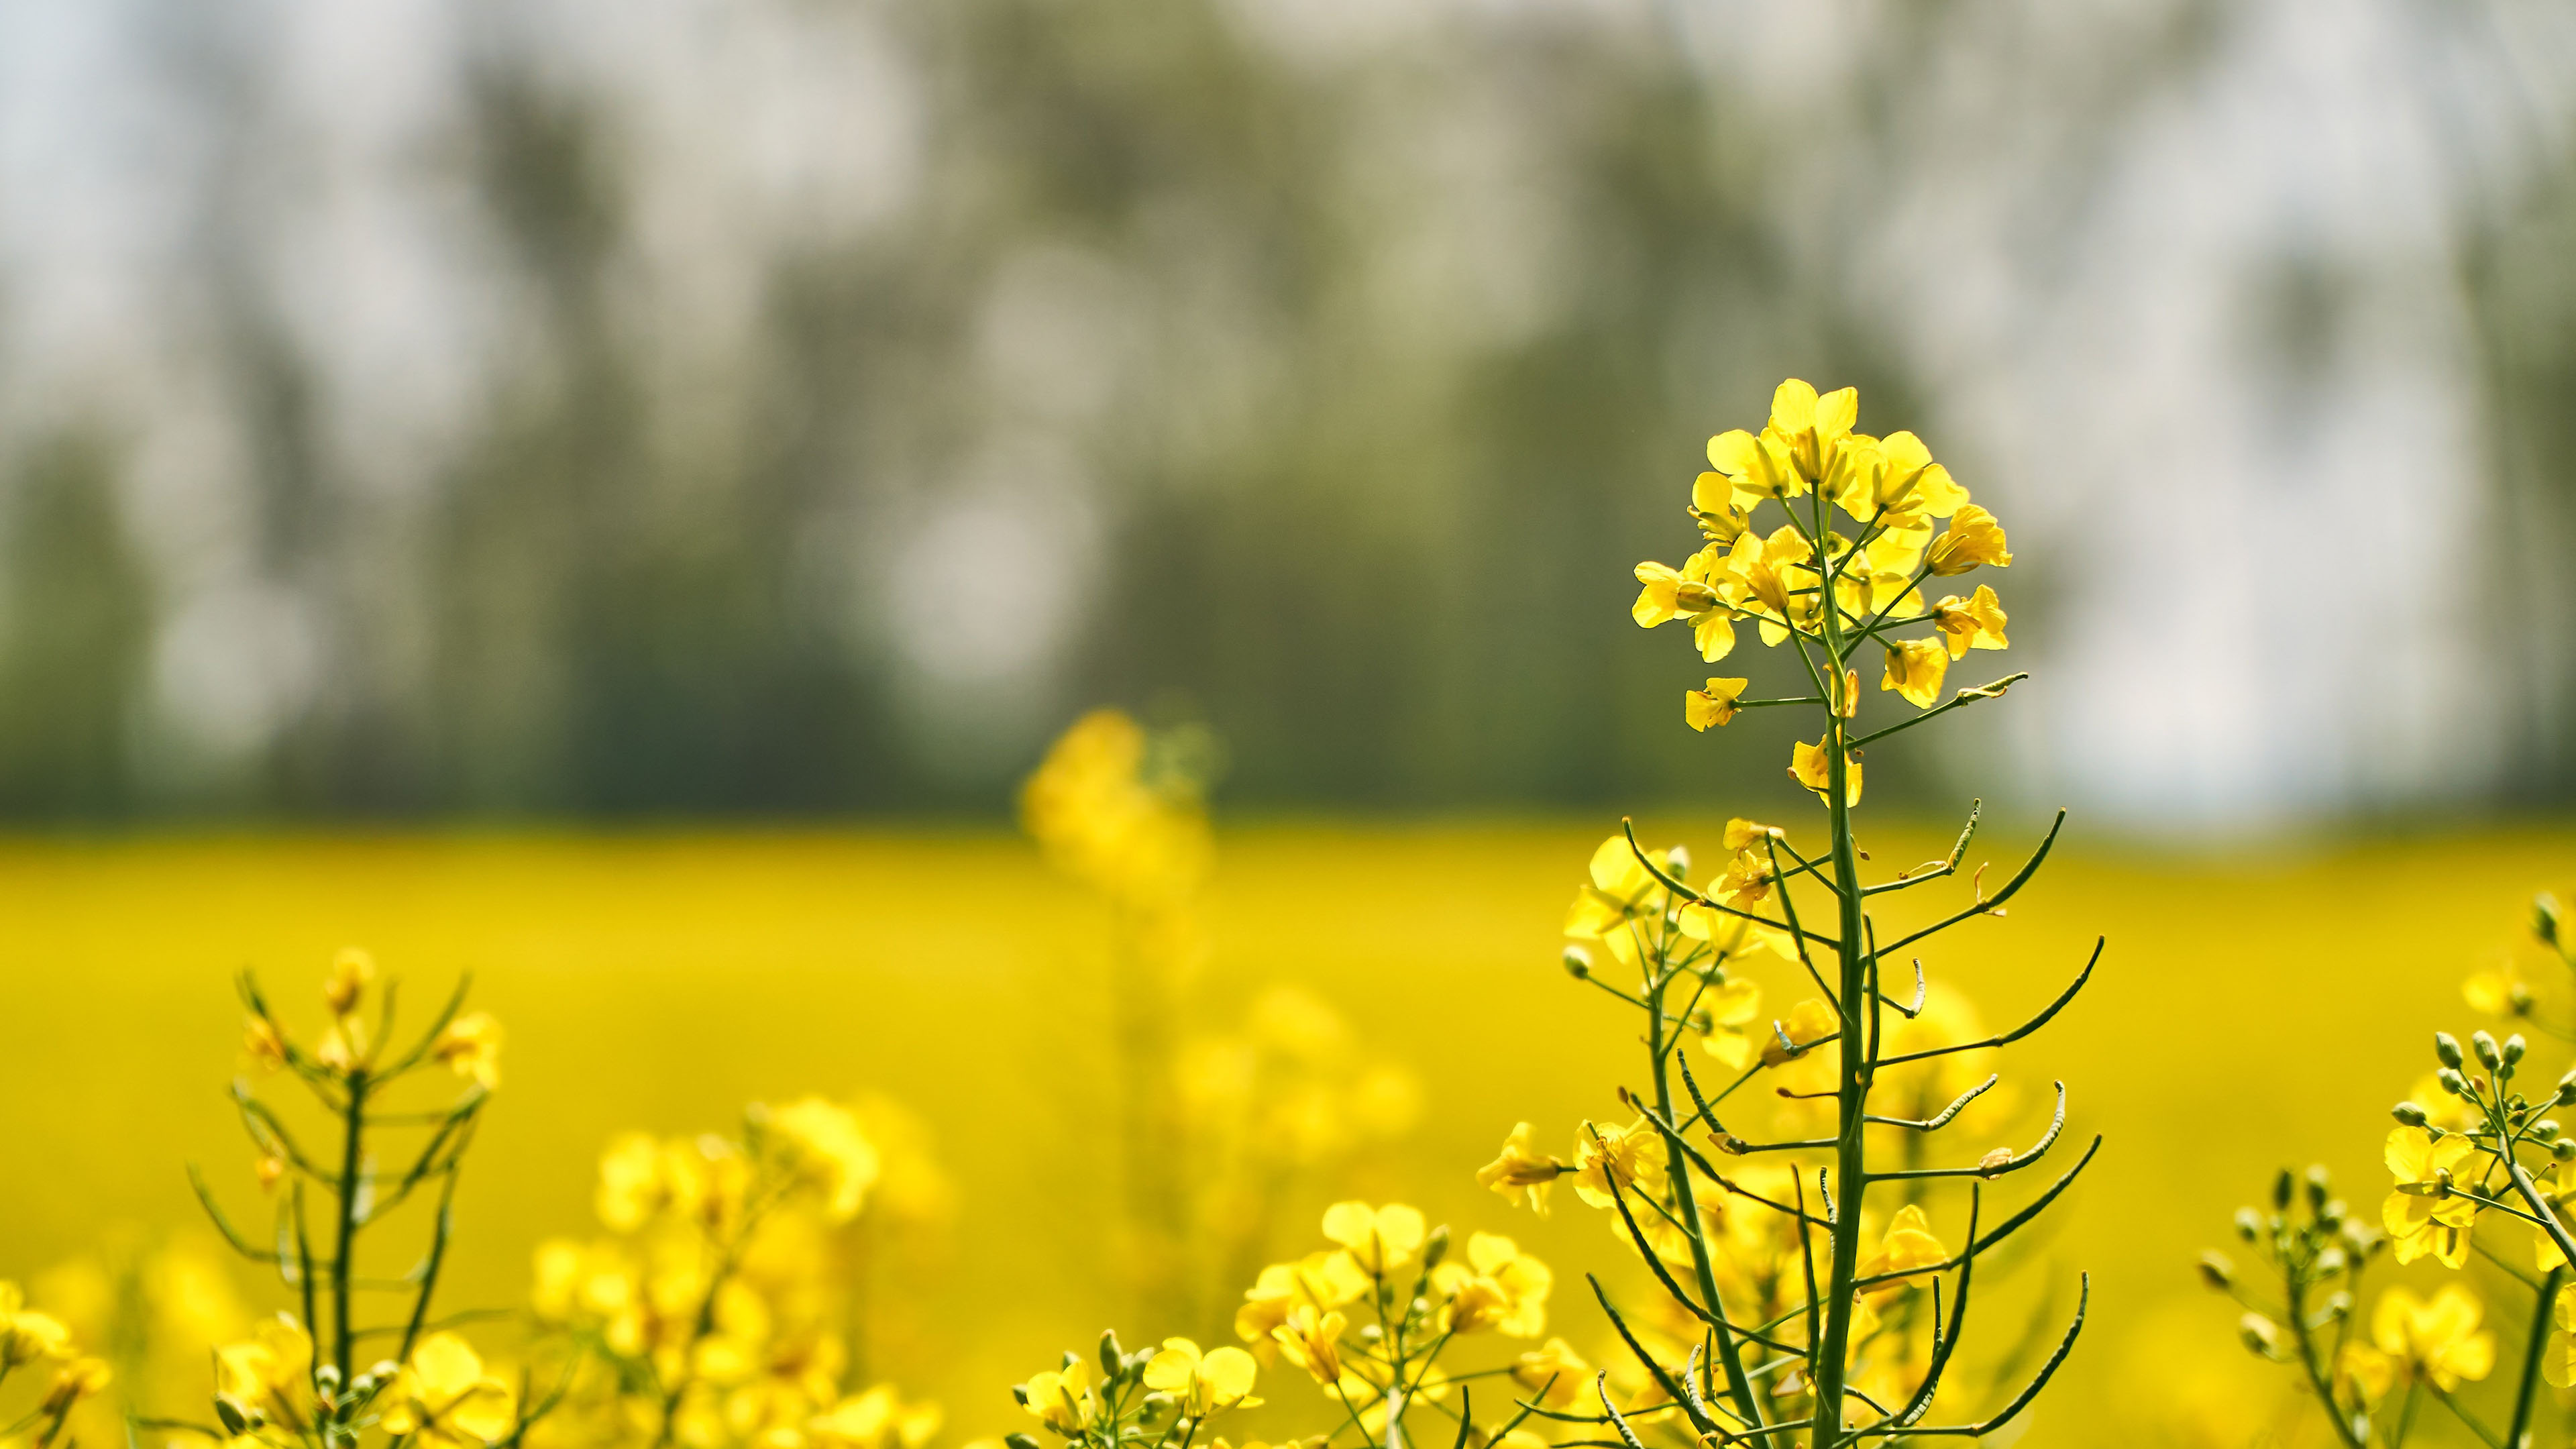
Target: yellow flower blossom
{"x": 444, "y": 1400}
{"x": 2420, "y": 1216}
{"x": 1811, "y": 426}
{"x": 1319, "y": 1280}
{"x": 75, "y": 1381}
{"x": 1687, "y": 594}
{"x": 1811, "y": 766}
{"x": 826, "y": 1148}
{"x": 1379, "y": 1240}
{"x": 1975, "y": 622}
{"x": 345, "y": 988}
{"x": 1907, "y": 1247}
{"x": 1312, "y": 1341}
{"x": 1715, "y": 705}
{"x": 1062, "y": 1399}
{"x": 1810, "y": 1021}
{"x": 269, "y": 1377}
{"x": 1553, "y": 1375}
{"x": 1497, "y": 1287}
{"x": 1202, "y": 1384}
{"x": 1733, "y": 1011}
{"x": 2558, "y": 1361}
{"x": 1522, "y": 1174}
{"x": 2415, "y": 1340}
{"x": 1755, "y": 467}
{"x": 2498, "y": 991}
{"x": 1914, "y": 669}
{"x": 877, "y": 1419}
{"x": 260, "y": 1038}
{"x": 1721, "y": 518}
{"x": 471, "y": 1047}
{"x": 1610, "y": 1158}
{"x": 25, "y": 1335}
{"x": 1973, "y": 538}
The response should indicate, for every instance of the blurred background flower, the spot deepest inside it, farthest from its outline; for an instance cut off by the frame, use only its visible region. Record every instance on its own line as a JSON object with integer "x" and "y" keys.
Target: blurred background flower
{"x": 803, "y": 406}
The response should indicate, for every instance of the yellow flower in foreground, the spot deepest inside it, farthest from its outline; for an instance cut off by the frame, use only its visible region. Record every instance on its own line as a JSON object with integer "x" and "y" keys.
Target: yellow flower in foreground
{"x": 1755, "y": 467}
{"x": 1497, "y": 1287}
{"x": 26, "y": 1336}
{"x": 1811, "y": 766}
{"x": 1715, "y": 705}
{"x": 1908, "y": 1246}
{"x": 443, "y": 1399}
{"x": 1522, "y": 1174}
{"x": 2421, "y": 1217}
{"x": 1202, "y": 1384}
{"x": 1914, "y": 669}
{"x": 1061, "y": 1399}
{"x": 1687, "y": 594}
{"x": 826, "y": 1148}
{"x": 1312, "y": 1341}
{"x": 1610, "y": 1159}
{"x": 1975, "y": 622}
{"x": 1617, "y": 886}
{"x": 1379, "y": 1240}
{"x": 1973, "y": 538}
{"x": 1810, "y": 425}
{"x": 1810, "y": 1021}
{"x": 2414, "y": 1340}
{"x": 1555, "y": 1376}
{"x": 1319, "y": 1280}
{"x": 877, "y": 1419}
{"x": 270, "y": 1376}
{"x": 471, "y": 1047}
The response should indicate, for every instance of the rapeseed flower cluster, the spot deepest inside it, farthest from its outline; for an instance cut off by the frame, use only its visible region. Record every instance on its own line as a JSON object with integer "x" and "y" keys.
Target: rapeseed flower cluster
{"x": 38, "y": 1348}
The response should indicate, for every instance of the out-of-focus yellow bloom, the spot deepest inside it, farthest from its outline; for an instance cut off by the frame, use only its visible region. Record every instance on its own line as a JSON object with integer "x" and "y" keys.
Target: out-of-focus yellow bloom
{"x": 1908, "y": 1246}
{"x": 444, "y": 1400}
{"x": 1812, "y": 766}
{"x": 826, "y": 1148}
{"x": 76, "y": 1381}
{"x": 1733, "y": 1009}
{"x": 1687, "y": 594}
{"x": 26, "y": 1335}
{"x": 1973, "y": 538}
{"x": 260, "y": 1038}
{"x": 2558, "y": 1361}
{"x": 1312, "y": 1341}
{"x": 1062, "y": 1399}
{"x": 1319, "y": 1280}
{"x": 1914, "y": 670}
{"x": 1522, "y": 1174}
{"x": 1497, "y": 1287}
{"x": 631, "y": 1185}
{"x": 1202, "y": 1384}
{"x": 471, "y": 1047}
{"x": 345, "y": 987}
{"x": 1380, "y": 1240}
{"x": 2498, "y": 991}
{"x": 1810, "y": 1021}
{"x": 1975, "y": 622}
{"x": 1553, "y": 1375}
{"x": 2415, "y": 1340}
{"x": 877, "y": 1419}
{"x": 1104, "y": 816}
{"x": 2422, "y": 1216}
{"x": 269, "y": 1377}
{"x": 1610, "y": 1158}
{"x": 1715, "y": 705}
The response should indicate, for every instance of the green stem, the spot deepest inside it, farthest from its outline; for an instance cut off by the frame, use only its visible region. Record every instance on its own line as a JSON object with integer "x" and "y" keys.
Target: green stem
{"x": 1738, "y": 1386}
{"x": 352, "y": 1163}
{"x": 2527, "y": 1390}
{"x": 1851, "y": 1167}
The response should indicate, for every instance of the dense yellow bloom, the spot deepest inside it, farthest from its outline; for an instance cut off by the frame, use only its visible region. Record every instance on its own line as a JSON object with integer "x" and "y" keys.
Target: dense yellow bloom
{"x": 1521, "y": 1173}
{"x": 269, "y": 1378}
{"x": 877, "y": 1419}
{"x": 471, "y": 1047}
{"x": 2420, "y": 1216}
{"x": 1914, "y": 669}
{"x": 1715, "y": 705}
{"x": 826, "y": 1148}
{"x": 1907, "y": 1247}
{"x": 1687, "y": 594}
{"x": 2414, "y": 1340}
{"x": 1380, "y": 1240}
{"x": 1625, "y": 1159}
{"x": 1812, "y": 766}
{"x": 25, "y": 1335}
{"x": 1975, "y": 622}
{"x": 1312, "y": 1341}
{"x": 1319, "y": 1280}
{"x": 1062, "y": 1399}
{"x": 267, "y": 1049}
{"x": 1894, "y": 475}
{"x": 444, "y": 1400}
{"x": 1497, "y": 1287}
{"x": 345, "y": 988}
{"x": 1105, "y": 817}
{"x": 1553, "y": 1375}
{"x": 1973, "y": 538}
{"x": 1202, "y": 1384}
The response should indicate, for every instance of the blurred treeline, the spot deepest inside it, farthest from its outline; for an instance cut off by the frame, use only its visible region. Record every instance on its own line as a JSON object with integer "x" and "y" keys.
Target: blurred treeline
{"x": 849, "y": 392}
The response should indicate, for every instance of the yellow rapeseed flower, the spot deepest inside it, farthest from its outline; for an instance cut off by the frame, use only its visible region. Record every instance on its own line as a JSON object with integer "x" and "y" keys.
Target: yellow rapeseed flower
{"x": 1202, "y": 1384}
{"x": 471, "y": 1047}
{"x": 26, "y": 1335}
{"x": 1907, "y": 1247}
{"x": 1497, "y": 1287}
{"x": 269, "y": 1377}
{"x": 1811, "y": 426}
{"x": 1688, "y": 594}
{"x": 1810, "y": 1021}
{"x": 443, "y": 1400}
{"x": 1733, "y": 1011}
{"x": 877, "y": 1419}
{"x": 1553, "y": 1375}
{"x": 1062, "y": 1399}
{"x": 1812, "y": 766}
{"x": 1608, "y": 1157}
{"x": 2422, "y": 1215}
{"x": 1521, "y": 1173}
{"x": 1914, "y": 669}
{"x": 1755, "y": 467}
{"x": 345, "y": 987}
{"x": 1975, "y": 622}
{"x": 1380, "y": 1240}
{"x": 2416, "y": 1340}
{"x": 1324, "y": 1280}
{"x": 1973, "y": 538}
{"x": 826, "y": 1149}
{"x": 1312, "y": 1341}
{"x": 1715, "y": 705}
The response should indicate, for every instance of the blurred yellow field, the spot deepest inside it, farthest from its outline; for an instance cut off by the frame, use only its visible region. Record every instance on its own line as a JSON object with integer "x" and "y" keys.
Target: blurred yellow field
{"x": 2250, "y": 1009}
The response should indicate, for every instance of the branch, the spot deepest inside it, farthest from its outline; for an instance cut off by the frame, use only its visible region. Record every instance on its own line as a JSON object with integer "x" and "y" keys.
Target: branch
{"x": 1934, "y": 1124}
{"x": 2020, "y": 878}
{"x": 2020, "y": 1401}
{"x": 1700, "y": 1422}
{"x": 1683, "y": 890}
{"x": 2056, "y": 1124}
{"x": 1934, "y": 869}
{"x": 1962, "y": 698}
{"x": 2023, "y": 1030}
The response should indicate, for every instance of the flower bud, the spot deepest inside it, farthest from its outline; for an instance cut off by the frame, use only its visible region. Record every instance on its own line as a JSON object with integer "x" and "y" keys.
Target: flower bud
{"x": 1020, "y": 1441}
{"x": 2249, "y": 1226}
{"x": 1111, "y": 1355}
{"x": 2546, "y": 1130}
{"x": 2485, "y": 1046}
{"x": 2566, "y": 1094}
{"x": 2332, "y": 1215}
{"x": 2564, "y": 1149}
{"x": 1678, "y": 866}
{"x": 2260, "y": 1335}
{"x": 2216, "y": 1271}
{"x": 2330, "y": 1261}
{"x": 2514, "y": 1047}
{"x": 2338, "y": 1307}
{"x": 1436, "y": 1247}
{"x": 2408, "y": 1114}
{"x": 2316, "y": 1182}
{"x": 2544, "y": 919}
{"x": 231, "y": 1418}
{"x": 2452, "y": 1082}
{"x": 2446, "y": 1049}
{"x": 1578, "y": 963}
{"x": 327, "y": 1378}
{"x": 2281, "y": 1187}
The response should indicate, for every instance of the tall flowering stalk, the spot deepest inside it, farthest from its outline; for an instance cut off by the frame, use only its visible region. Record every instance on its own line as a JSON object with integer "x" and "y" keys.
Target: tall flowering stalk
{"x": 2479, "y": 1170}
{"x": 1803, "y": 1277}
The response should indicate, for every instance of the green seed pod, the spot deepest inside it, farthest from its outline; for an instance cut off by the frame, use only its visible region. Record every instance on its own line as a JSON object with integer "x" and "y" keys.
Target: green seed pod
{"x": 2281, "y": 1188}
{"x": 2408, "y": 1114}
{"x": 2446, "y": 1049}
{"x": 1020, "y": 1441}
